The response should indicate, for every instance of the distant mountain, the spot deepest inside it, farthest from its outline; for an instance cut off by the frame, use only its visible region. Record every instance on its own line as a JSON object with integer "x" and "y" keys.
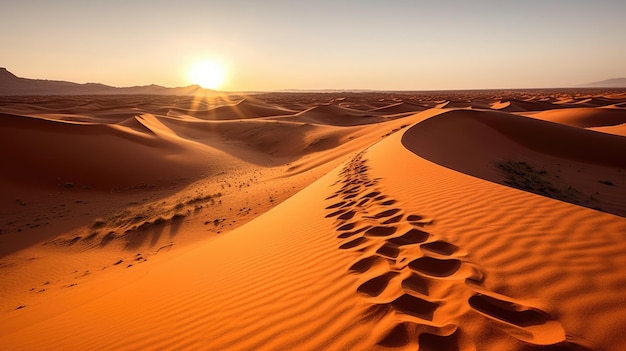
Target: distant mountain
{"x": 609, "y": 83}
{"x": 10, "y": 84}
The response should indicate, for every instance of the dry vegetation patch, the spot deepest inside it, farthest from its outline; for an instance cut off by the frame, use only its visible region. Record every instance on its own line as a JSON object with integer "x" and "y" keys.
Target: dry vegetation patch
{"x": 534, "y": 179}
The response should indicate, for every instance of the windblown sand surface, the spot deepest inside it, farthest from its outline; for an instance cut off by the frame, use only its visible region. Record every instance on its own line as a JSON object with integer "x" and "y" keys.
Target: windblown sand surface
{"x": 485, "y": 220}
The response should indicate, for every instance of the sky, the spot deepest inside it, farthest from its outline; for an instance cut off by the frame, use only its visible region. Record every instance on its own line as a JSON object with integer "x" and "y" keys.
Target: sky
{"x": 350, "y": 44}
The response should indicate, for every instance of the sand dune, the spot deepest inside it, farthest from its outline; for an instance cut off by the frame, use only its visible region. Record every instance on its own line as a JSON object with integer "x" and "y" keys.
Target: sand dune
{"x": 544, "y": 137}
{"x": 584, "y": 117}
{"x": 593, "y": 102}
{"x": 400, "y": 107}
{"x": 550, "y": 159}
{"x": 617, "y": 129}
{"x": 243, "y": 109}
{"x": 523, "y": 106}
{"x": 331, "y": 114}
{"x": 53, "y": 153}
{"x": 454, "y": 104}
{"x": 313, "y": 221}
{"x": 280, "y": 141}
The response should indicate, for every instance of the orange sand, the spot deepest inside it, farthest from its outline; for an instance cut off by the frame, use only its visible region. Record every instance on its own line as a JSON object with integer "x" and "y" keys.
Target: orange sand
{"x": 356, "y": 221}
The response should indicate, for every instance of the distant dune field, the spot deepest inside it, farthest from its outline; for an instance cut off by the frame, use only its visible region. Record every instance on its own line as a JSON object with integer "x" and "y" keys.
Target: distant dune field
{"x": 464, "y": 220}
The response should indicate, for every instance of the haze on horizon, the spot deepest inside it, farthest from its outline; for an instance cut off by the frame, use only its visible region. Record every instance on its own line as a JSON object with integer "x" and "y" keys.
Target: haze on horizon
{"x": 400, "y": 45}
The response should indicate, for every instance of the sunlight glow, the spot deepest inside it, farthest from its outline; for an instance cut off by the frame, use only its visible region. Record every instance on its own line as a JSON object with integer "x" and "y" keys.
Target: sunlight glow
{"x": 208, "y": 74}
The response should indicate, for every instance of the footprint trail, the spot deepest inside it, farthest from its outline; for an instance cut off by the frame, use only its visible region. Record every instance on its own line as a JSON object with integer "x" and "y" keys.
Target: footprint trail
{"x": 425, "y": 282}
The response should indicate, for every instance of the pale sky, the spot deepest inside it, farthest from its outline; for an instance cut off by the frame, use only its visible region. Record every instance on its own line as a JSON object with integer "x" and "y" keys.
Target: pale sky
{"x": 271, "y": 45}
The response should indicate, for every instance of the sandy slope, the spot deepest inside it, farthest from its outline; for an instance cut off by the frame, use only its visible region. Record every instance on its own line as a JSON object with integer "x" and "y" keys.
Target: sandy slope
{"x": 113, "y": 177}
{"x": 617, "y": 130}
{"x": 49, "y": 152}
{"x": 585, "y": 117}
{"x": 421, "y": 238}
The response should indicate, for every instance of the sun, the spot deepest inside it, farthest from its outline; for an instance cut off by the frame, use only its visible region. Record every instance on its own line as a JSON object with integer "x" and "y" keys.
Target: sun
{"x": 208, "y": 74}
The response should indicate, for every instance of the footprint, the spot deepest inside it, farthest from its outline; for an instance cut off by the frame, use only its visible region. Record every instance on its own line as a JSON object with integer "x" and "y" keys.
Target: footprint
{"x": 416, "y": 283}
{"x": 346, "y": 235}
{"x": 388, "y": 250}
{"x": 528, "y": 324}
{"x": 412, "y": 236}
{"x": 388, "y": 202}
{"x": 414, "y": 218}
{"x": 380, "y": 231}
{"x": 338, "y": 204}
{"x": 387, "y": 213}
{"x": 415, "y": 306}
{"x": 441, "y": 247}
{"x": 432, "y": 342}
{"x": 507, "y": 311}
{"x": 418, "y": 220}
{"x": 372, "y": 194}
{"x": 398, "y": 336}
{"x": 363, "y": 202}
{"x": 354, "y": 189}
{"x": 353, "y": 243}
{"x": 365, "y": 264}
{"x": 349, "y": 204}
{"x": 435, "y": 267}
{"x": 352, "y": 233}
{"x": 347, "y": 215}
{"x": 347, "y": 226}
{"x": 375, "y": 286}
{"x": 393, "y": 220}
